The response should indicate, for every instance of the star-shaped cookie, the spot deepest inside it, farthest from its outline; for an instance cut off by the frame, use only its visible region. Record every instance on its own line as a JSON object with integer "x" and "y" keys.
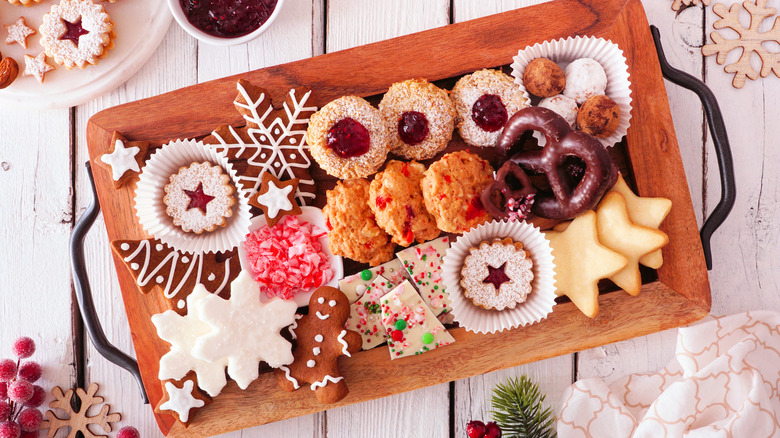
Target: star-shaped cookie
{"x": 245, "y": 331}
{"x": 36, "y": 66}
{"x": 18, "y": 32}
{"x": 581, "y": 261}
{"x": 276, "y": 198}
{"x": 180, "y": 399}
{"x": 124, "y": 159}
{"x": 618, "y": 233}
{"x": 182, "y": 332}
{"x": 647, "y": 212}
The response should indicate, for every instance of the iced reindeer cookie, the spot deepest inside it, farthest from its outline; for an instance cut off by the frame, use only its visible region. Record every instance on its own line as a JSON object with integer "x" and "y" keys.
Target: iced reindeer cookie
{"x": 411, "y": 326}
{"x": 321, "y": 338}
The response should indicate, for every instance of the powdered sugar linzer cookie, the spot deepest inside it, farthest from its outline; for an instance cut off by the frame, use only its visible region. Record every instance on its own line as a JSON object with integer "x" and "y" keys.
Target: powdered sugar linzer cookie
{"x": 497, "y": 275}
{"x": 199, "y": 197}
{"x": 76, "y": 33}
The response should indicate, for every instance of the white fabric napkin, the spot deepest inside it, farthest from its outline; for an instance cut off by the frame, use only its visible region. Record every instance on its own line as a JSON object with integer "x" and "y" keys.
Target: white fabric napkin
{"x": 723, "y": 382}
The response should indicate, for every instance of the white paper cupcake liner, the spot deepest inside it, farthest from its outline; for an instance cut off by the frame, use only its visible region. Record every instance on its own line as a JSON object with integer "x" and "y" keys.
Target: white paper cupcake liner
{"x": 150, "y": 208}
{"x": 540, "y": 301}
{"x": 605, "y": 52}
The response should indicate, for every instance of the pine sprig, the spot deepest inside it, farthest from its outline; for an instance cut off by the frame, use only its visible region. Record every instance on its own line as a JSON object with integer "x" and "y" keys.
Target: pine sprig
{"x": 519, "y": 411}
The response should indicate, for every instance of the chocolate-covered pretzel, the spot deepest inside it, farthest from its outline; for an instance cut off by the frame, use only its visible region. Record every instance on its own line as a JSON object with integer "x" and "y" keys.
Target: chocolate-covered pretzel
{"x": 506, "y": 195}
{"x": 568, "y": 198}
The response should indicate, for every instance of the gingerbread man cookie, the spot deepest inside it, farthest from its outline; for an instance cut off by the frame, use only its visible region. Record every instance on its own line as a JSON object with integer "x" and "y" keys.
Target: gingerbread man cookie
{"x": 321, "y": 338}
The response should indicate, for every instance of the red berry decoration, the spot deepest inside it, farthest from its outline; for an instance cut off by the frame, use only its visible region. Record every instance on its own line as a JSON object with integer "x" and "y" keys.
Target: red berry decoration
{"x": 348, "y": 138}
{"x": 492, "y": 430}
{"x": 24, "y": 347}
{"x": 30, "y": 371}
{"x": 39, "y": 395}
{"x": 7, "y": 370}
{"x": 3, "y": 391}
{"x": 476, "y": 429}
{"x": 5, "y": 410}
{"x": 9, "y": 429}
{"x": 19, "y": 391}
{"x": 30, "y": 420}
{"x": 128, "y": 432}
{"x": 33, "y": 434}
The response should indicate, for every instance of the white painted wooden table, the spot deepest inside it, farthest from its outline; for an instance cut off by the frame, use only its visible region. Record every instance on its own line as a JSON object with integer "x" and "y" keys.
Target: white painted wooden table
{"x": 43, "y": 187}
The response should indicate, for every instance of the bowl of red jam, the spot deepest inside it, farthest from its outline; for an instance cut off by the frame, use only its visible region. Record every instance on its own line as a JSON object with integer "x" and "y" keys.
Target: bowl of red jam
{"x": 225, "y": 22}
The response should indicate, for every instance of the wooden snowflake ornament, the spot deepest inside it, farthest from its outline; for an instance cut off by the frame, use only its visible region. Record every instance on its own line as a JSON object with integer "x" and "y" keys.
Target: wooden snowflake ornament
{"x": 678, "y": 4}
{"x": 750, "y": 41}
{"x": 79, "y": 420}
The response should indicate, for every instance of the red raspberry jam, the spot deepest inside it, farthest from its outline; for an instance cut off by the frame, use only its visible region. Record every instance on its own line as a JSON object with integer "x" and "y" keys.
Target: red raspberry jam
{"x": 348, "y": 138}
{"x": 228, "y": 18}
{"x": 496, "y": 276}
{"x": 412, "y": 127}
{"x": 73, "y": 31}
{"x": 198, "y": 199}
{"x": 489, "y": 113}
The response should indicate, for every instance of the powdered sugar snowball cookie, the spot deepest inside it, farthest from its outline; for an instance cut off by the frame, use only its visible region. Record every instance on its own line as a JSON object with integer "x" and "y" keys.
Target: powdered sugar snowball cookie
{"x": 76, "y": 33}
{"x": 485, "y": 100}
{"x": 347, "y": 137}
{"x": 562, "y": 105}
{"x": 585, "y": 78}
{"x": 419, "y": 117}
{"x": 497, "y": 275}
{"x": 199, "y": 197}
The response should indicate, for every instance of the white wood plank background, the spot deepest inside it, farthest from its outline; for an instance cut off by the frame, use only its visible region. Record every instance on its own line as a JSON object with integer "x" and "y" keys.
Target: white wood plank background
{"x": 43, "y": 186}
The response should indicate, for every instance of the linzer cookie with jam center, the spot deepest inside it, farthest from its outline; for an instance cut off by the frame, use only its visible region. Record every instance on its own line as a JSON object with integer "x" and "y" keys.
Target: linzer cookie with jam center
{"x": 77, "y": 33}
{"x": 497, "y": 275}
{"x": 199, "y": 198}
{"x": 347, "y": 137}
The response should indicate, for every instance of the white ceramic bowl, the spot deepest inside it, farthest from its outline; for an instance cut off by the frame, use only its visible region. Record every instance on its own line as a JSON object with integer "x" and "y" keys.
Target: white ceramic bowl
{"x": 178, "y": 15}
{"x": 314, "y": 216}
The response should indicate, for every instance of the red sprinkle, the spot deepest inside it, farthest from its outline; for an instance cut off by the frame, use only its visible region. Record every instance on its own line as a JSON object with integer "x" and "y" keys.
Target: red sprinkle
{"x": 382, "y": 201}
{"x": 475, "y": 209}
{"x": 288, "y": 258}
{"x": 447, "y": 178}
{"x": 398, "y": 335}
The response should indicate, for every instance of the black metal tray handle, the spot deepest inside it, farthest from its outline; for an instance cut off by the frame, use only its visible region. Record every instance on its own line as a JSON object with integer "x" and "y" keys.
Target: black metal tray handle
{"x": 714, "y": 119}
{"x": 728, "y": 187}
{"x": 84, "y": 292}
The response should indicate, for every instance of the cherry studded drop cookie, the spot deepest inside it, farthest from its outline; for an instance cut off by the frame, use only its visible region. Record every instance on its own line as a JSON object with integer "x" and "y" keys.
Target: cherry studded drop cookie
{"x": 321, "y": 338}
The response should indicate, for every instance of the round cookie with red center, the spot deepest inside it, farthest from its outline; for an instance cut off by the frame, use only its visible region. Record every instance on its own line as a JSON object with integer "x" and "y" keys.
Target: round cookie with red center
{"x": 398, "y": 205}
{"x": 347, "y": 137}
{"x": 199, "y": 198}
{"x": 76, "y": 33}
{"x": 452, "y": 188}
{"x": 485, "y": 100}
{"x": 419, "y": 117}
{"x": 497, "y": 275}
{"x": 352, "y": 228}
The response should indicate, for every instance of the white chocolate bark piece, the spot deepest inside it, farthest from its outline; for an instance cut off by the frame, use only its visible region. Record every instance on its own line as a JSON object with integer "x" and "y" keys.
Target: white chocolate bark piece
{"x": 354, "y": 286}
{"x": 365, "y": 315}
{"x": 411, "y": 326}
{"x": 423, "y": 264}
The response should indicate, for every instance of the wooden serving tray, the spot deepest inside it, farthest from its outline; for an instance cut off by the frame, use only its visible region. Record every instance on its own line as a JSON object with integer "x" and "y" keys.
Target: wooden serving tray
{"x": 677, "y": 294}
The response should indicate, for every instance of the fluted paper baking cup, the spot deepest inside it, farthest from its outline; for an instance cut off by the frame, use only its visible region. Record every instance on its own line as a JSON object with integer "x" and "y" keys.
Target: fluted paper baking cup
{"x": 150, "y": 208}
{"x": 605, "y": 52}
{"x": 539, "y": 302}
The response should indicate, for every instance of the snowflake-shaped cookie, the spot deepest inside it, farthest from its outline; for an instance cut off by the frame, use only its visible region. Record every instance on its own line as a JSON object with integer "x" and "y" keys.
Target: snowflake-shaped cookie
{"x": 750, "y": 41}
{"x": 244, "y": 330}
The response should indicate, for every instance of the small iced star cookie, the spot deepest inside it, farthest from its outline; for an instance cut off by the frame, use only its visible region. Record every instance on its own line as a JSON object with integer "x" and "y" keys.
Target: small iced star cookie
{"x": 36, "y": 66}
{"x": 180, "y": 399}
{"x": 497, "y": 275}
{"x": 76, "y": 33}
{"x": 18, "y": 32}
{"x": 276, "y": 198}
{"x": 199, "y": 198}
{"x": 124, "y": 159}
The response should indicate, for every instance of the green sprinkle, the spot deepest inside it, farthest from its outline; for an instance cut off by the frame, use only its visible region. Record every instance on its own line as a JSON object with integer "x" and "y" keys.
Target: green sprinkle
{"x": 427, "y": 338}
{"x": 400, "y": 324}
{"x": 366, "y": 275}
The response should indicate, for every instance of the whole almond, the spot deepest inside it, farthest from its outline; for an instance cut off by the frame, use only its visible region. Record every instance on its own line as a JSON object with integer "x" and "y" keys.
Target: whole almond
{"x": 9, "y": 69}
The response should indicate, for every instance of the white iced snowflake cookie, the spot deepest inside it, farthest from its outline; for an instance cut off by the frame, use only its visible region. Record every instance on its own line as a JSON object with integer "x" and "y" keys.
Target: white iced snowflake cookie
{"x": 497, "y": 275}
{"x": 76, "y": 33}
{"x": 585, "y": 78}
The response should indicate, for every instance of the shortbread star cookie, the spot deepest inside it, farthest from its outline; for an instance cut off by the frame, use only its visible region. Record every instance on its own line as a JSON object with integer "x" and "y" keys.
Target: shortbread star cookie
{"x": 618, "y": 233}
{"x": 36, "y": 66}
{"x": 647, "y": 212}
{"x": 581, "y": 261}
{"x": 276, "y": 198}
{"x": 124, "y": 159}
{"x": 18, "y": 32}
{"x": 76, "y": 33}
{"x": 181, "y": 399}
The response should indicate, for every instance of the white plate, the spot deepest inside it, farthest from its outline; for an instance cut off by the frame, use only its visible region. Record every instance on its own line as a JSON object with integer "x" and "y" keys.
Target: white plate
{"x": 314, "y": 216}
{"x": 140, "y": 26}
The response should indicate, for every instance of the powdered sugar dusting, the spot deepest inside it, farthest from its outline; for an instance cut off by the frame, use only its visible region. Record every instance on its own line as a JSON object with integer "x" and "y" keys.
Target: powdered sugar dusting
{"x": 518, "y": 267}
{"x": 36, "y": 66}
{"x": 18, "y": 32}
{"x": 215, "y": 183}
{"x": 93, "y": 18}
